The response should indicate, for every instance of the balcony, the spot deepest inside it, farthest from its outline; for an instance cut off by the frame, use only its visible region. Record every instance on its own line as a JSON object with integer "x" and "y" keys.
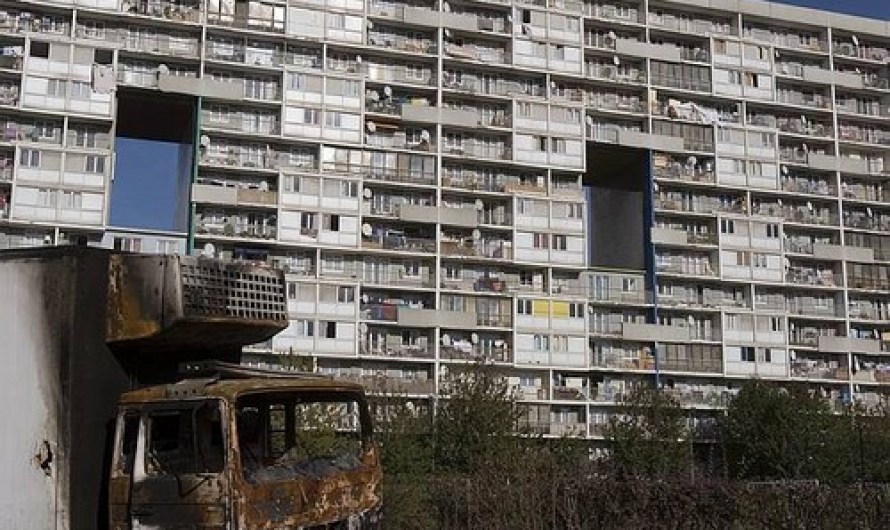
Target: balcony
{"x": 870, "y": 135}
{"x": 670, "y": 168}
{"x": 491, "y": 249}
{"x": 391, "y": 138}
{"x": 801, "y": 275}
{"x": 387, "y": 385}
{"x": 808, "y": 185}
{"x": 396, "y": 240}
{"x": 815, "y": 368}
{"x": 864, "y": 52}
{"x": 402, "y": 43}
{"x": 713, "y": 365}
{"x": 409, "y": 351}
{"x": 610, "y": 72}
{"x": 475, "y": 352}
{"x": 183, "y": 11}
{"x": 867, "y": 220}
{"x": 235, "y": 227}
{"x": 813, "y": 100}
{"x": 478, "y": 52}
{"x": 612, "y": 12}
{"x": 270, "y": 19}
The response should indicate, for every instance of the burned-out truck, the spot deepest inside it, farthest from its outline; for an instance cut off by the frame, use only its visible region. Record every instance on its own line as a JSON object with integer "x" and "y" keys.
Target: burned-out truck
{"x": 123, "y": 403}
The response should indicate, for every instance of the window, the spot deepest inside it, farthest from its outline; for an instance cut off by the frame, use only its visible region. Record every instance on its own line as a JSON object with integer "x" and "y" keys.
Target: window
{"x": 55, "y": 88}
{"x": 307, "y": 220}
{"x": 767, "y": 355}
{"x": 349, "y": 189}
{"x": 103, "y": 56}
{"x": 772, "y": 230}
{"x": 80, "y": 90}
{"x": 760, "y": 261}
{"x": 346, "y": 294}
{"x": 333, "y": 119}
{"x": 559, "y": 242}
{"x": 576, "y": 310}
{"x": 330, "y": 330}
{"x": 541, "y": 241}
{"x": 29, "y": 158}
{"x": 94, "y": 164}
{"x": 558, "y": 145}
{"x": 526, "y": 278}
{"x": 332, "y": 222}
{"x": 336, "y": 20}
{"x": 40, "y": 49}
{"x": 747, "y": 354}
{"x": 775, "y": 324}
{"x": 71, "y": 200}
{"x": 185, "y": 441}
{"x": 524, "y": 307}
{"x": 541, "y": 342}
{"x": 304, "y": 328}
{"x": 560, "y": 343}
{"x": 727, "y": 226}
{"x": 570, "y": 210}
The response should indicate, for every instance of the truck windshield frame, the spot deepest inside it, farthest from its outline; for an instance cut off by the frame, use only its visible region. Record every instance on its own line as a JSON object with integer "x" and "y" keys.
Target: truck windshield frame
{"x": 291, "y": 435}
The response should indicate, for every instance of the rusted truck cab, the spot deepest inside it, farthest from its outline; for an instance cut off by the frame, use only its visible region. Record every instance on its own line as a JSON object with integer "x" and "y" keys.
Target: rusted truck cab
{"x": 247, "y": 453}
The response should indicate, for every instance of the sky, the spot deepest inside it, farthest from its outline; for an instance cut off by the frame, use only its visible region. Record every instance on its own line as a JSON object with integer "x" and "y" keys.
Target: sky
{"x": 144, "y": 191}
{"x": 867, "y": 8}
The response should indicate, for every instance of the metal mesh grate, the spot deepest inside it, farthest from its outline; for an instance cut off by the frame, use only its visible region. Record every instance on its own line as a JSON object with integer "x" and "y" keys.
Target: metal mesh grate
{"x": 212, "y": 288}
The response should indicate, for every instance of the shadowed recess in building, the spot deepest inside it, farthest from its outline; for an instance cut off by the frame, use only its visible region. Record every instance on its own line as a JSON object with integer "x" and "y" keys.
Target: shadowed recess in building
{"x": 154, "y": 153}
{"x": 614, "y": 185}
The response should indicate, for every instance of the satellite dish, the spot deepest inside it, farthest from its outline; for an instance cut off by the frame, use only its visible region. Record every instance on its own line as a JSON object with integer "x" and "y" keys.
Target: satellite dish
{"x": 779, "y": 202}
{"x": 205, "y": 140}
{"x": 367, "y": 193}
{"x": 358, "y": 59}
{"x": 47, "y": 239}
{"x": 367, "y": 230}
{"x": 425, "y": 135}
{"x": 855, "y": 40}
{"x": 776, "y": 53}
{"x": 809, "y": 206}
{"x": 611, "y": 35}
{"x": 692, "y": 160}
{"x": 806, "y": 148}
{"x": 370, "y": 25}
{"x": 387, "y": 91}
{"x": 654, "y": 186}
{"x": 371, "y": 126}
{"x": 616, "y": 61}
{"x": 446, "y": 339}
{"x": 589, "y": 120}
{"x": 447, "y": 33}
{"x": 552, "y": 84}
{"x": 479, "y": 205}
{"x": 365, "y": 298}
{"x": 373, "y": 95}
{"x": 209, "y": 251}
{"x": 474, "y": 338}
{"x": 476, "y": 234}
{"x": 589, "y": 309}
{"x": 784, "y": 169}
{"x": 163, "y": 69}
{"x": 363, "y": 328}
{"x": 446, "y": 7}
{"x": 869, "y": 212}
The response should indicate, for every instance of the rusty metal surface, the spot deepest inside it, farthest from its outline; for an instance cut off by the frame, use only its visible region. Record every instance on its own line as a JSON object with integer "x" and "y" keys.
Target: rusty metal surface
{"x": 231, "y": 390}
{"x": 294, "y": 502}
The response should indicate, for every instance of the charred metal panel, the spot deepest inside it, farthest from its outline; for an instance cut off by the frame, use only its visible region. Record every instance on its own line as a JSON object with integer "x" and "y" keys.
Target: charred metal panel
{"x": 164, "y": 303}
{"x": 58, "y": 388}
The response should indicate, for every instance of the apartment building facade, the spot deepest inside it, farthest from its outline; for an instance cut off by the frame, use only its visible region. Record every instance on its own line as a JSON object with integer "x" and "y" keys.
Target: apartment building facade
{"x": 426, "y": 171}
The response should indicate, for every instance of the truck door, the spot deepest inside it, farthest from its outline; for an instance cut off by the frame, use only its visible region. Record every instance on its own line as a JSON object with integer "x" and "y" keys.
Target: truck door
{"x": 179, "y": 479}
